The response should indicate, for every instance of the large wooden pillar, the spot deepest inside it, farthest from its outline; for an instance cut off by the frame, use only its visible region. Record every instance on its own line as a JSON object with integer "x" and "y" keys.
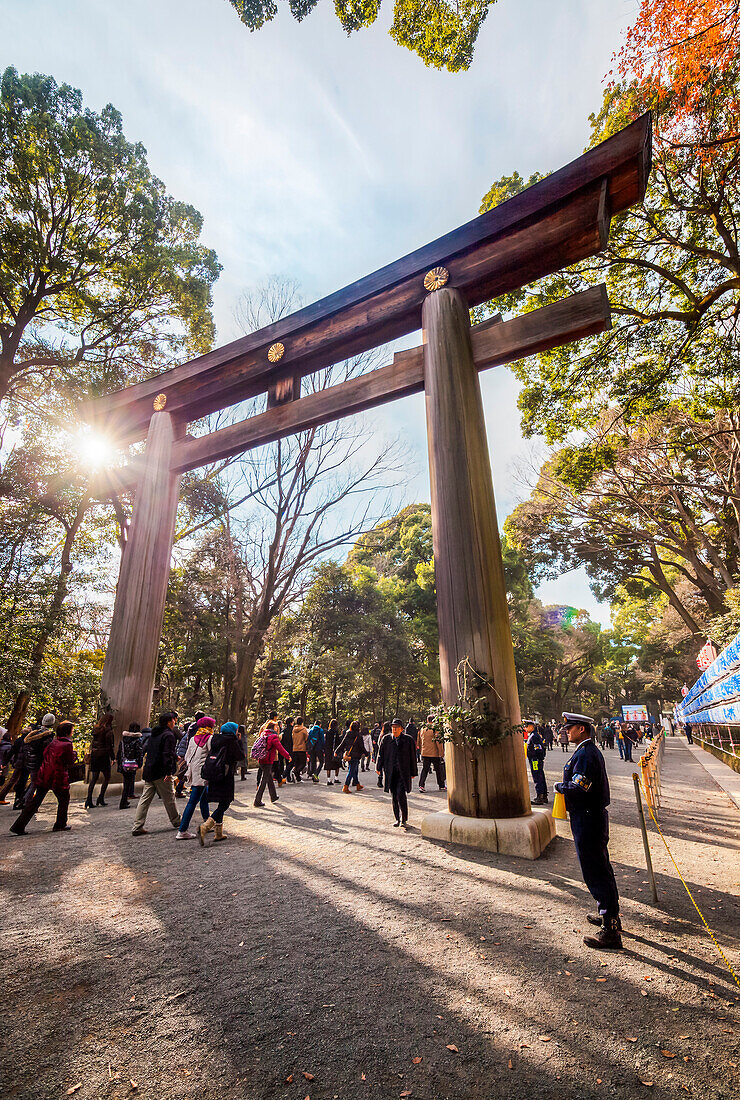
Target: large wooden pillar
{"x": 471, "y": 595}
{"x": 133, "y": 645}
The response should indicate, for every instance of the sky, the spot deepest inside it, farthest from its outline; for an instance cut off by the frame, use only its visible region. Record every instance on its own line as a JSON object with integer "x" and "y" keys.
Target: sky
{"x": 323, "y": 157}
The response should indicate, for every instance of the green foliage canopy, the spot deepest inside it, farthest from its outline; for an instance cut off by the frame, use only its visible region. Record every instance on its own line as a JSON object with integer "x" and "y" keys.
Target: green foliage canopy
{"x": 442, "y": 32}
{"x": 102, "y": 273}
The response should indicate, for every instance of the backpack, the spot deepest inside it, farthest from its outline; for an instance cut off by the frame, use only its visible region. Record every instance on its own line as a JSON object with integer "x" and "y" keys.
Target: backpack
{"x": 260, "y": 749}
{"x": 215, "y": 766}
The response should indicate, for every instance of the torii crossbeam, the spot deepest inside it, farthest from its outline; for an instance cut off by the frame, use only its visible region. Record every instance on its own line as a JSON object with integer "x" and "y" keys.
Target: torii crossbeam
{"x": 559, "y": 221}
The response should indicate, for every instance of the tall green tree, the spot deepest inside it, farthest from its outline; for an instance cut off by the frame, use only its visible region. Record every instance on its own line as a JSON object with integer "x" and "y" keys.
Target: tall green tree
{"x": 103, "y": 277}
{"x": 442, "y": 32}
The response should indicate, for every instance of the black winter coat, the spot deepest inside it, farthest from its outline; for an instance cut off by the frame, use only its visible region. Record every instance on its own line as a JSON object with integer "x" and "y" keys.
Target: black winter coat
{"x": 33, "y": 747}
{"x": 397, "y": 753}
{"x": 161, "y": 755}
{"x": 353, "y": 743}
{"x": 219, "y": 790}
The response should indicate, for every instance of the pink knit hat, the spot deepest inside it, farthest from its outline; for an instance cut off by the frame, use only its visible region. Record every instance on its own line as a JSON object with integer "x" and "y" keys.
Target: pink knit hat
{"x": 206, "y": 723}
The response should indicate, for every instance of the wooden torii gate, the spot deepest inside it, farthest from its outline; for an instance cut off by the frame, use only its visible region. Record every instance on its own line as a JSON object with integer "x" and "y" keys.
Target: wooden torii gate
{"x": 559, "y": 221}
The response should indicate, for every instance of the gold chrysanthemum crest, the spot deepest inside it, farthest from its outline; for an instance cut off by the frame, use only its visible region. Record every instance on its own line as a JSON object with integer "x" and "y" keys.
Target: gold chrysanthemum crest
{"x": 276, "y": 352}
{"x": 160, "y": 401}
{"x": 436, "y": 278}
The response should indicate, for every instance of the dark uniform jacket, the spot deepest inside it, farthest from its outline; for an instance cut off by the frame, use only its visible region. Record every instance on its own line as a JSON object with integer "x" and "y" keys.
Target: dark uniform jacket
{"x": 585, "y": 784}
{"x": 397, "y": 754}
{"x": 536, "y": 747}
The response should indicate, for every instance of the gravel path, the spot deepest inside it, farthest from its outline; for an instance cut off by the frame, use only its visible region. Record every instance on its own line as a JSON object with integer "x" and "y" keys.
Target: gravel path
{"x": 323, "y": 954}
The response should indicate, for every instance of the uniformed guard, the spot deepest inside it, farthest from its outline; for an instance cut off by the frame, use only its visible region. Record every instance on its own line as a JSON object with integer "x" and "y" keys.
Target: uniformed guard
{"x": 585, "y": 788}
{"x": 536, "y": 750}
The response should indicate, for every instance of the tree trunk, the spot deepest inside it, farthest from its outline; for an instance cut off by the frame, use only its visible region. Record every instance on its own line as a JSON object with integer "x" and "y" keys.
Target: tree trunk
{"x": 51, "y": 621}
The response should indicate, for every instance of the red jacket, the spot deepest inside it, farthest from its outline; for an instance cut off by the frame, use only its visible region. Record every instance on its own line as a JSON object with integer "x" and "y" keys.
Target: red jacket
{"x": 274, "y": 747}
{"x": 54, "y": 770}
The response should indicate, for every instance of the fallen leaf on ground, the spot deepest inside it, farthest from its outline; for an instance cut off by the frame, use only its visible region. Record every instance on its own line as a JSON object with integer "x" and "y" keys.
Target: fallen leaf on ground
{"x": 684, "y": 1036}
{"x": 644, "y": 992}
{"x": 667, "y": 1054}
{"x": 289, "y": 1079}
{"x": 545, "y": 1038}
{"x": 601, "y": 979}
{"x": 134, "y": 1084}
{"x": 511, "y": 1064}
{"x": 308, "y": 1076}
{"x": 416, "y": 1061}
{"x": 631, "y": 1039}
{"x": 406, "y": 1093}
{"x": 598, "y": 1080}
{"x": 647, "y": 1084}
{"x": 70, "y": 1092}
{"x": 364, "y": 1078}
{"x": 452, "y": 1047}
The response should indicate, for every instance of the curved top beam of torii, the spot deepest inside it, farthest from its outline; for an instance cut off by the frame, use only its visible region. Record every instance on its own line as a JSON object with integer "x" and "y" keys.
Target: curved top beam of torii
{"x": 551, "y": 225}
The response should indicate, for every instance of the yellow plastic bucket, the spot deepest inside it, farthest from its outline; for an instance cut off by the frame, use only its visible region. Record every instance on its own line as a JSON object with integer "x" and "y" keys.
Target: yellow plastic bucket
{"x": 558, "y": 807}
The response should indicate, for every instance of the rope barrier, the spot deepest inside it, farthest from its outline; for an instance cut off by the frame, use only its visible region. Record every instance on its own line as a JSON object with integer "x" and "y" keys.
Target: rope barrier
{"x": 650, "y": 763}
{"x": 683, "y": 880}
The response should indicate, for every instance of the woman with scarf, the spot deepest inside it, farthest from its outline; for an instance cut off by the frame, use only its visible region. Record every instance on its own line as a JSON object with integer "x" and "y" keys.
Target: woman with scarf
{"x": 224, "y": 754}
{"x": 195, "y": 755}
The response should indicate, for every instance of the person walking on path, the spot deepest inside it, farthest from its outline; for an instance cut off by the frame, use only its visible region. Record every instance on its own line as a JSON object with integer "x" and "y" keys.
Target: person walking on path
{"x": 385, "y": 732}
{"x": 102, "y": 754}
{"x": 130, "y": 758}
{"x": 351, "y": 749}
{"x": 563, "y": 739}
{"x": 224, "y": 756}
{"x": 244, "y": 742}
{"x": 17, "y": 772}
{"x": 159, "y": 767}
{"x": 195, "y": 756}
{"x": 286, "y": 740}
{"x": 536, "y": 751}
{"x": 53, "y": 775}
{"x": 316, "y": 745}
{"x": 630, "y": 740}
{"x": 332, "y": 762}
{"x": 431, "y": 746}
{"x": 34, "y": 747}
{"x": 397, "y": 762}
{"x": 368, "y": 753}
{"x": 689, "y": 731}
{"x": 585, "y": 788}
{"x": 300, "y": 748}
{"x": 271, "y": 748}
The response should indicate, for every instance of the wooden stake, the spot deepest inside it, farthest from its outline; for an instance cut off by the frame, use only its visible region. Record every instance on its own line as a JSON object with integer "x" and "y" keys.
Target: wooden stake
{"x": 133, "y": 645}
{"x": 471, "y": 596}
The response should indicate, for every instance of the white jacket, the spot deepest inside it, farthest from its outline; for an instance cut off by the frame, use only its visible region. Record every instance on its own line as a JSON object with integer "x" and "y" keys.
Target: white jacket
{"x": 195, "y": 756}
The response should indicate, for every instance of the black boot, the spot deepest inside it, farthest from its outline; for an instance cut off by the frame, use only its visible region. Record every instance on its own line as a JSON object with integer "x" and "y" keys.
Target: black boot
{"x": 101, "y": 801}
{"x": 88, "y": 803}
{"x": 598, "y": 920}
{"x": 608, "y": 939}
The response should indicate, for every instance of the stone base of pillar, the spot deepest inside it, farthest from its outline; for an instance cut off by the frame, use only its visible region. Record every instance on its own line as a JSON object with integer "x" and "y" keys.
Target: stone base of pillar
{"x": 525, "y": 837}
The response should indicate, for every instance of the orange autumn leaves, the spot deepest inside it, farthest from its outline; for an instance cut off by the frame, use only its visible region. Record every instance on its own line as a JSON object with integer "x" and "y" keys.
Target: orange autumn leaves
{"x": 686, "y": 55}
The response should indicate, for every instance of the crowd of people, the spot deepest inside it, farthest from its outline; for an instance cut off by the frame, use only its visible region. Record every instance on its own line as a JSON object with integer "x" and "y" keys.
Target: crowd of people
{"x": 205, "y": 760}
{"x": 542, "y": 738}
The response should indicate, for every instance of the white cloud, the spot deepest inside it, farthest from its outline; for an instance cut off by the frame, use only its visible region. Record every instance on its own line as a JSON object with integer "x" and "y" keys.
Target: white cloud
{"x": 325, "y": 157}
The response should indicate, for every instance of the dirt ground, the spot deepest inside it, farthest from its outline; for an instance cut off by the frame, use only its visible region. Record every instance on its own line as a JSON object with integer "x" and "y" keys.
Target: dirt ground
{"x": 322, "y": 953}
